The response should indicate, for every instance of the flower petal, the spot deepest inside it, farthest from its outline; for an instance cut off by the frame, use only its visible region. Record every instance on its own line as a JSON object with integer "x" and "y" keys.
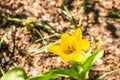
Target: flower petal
{"x": 84, "y": 44}
{"x": 56, "y": 49}
{"x": 77, "y": 34}
{"x": 79, "y": 57}
{"x": 65, "y": 40}
{"x": 65, "y": 58}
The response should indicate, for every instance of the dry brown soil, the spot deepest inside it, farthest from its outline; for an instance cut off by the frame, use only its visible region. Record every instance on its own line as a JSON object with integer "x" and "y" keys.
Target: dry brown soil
{"x": 13, "y": 50}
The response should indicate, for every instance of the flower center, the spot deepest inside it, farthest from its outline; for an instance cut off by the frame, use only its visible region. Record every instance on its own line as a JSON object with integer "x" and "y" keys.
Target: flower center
{"x": 69, "y": 50}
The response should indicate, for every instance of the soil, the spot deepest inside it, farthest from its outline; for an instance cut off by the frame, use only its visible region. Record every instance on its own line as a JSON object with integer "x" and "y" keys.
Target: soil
{"x": 13, "y": 50}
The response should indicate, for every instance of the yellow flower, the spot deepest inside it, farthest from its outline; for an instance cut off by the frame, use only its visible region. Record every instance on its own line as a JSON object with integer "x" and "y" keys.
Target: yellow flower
{"x": 28, "y": 27}
{"x": 71, "y": 47}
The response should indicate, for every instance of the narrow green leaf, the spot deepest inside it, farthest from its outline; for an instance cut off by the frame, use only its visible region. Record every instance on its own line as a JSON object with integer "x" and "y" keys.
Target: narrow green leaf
{"x": 47, "y": 37}
{"x": 55, "y": 74}
{"x": 70, "y": 16}
{"x": 44, "y": 48}
{"x": 89, "y": 52}
{"x": 1, "y": 40}
{"x": 37, "y": 24}
{"x": 41, "y": 25}
{"x": 107, "y": 73}
{"x": 67, "y": 13}
{"x": 114, "y": 16}
{"x": 16, "y": 19}
{"x": 2, "y": 70}
{"x": 41, "y": 36}
{"x": 82, "y": 10}
{"x": 90, "y": 62}
{"x": 74, "y": 66}
{"x": 112, "y": 19}
{"x": 78, "y": 67}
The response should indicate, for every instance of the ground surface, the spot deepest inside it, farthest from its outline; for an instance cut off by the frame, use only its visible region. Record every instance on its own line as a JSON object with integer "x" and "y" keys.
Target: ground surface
{"x": 94, "y": 28}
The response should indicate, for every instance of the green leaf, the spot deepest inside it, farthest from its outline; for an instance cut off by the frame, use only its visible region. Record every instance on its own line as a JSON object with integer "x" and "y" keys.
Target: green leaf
{"x": 39, "y": 33}
{"x": 112, "y": 19}
{"x": 48, "y": 37}
{"x": 78, "y": 67}
{"x": 41, "y": 25}
{"x": 56, "y": 74}
{"x": 89, "y": 53}
{"x": 74, "y": 66}
{"x": 15, "y": 74}
{"x": 65, "y": 10}
{"x": 16, "y": 19}
{"x": 114, "y": 16}
{"x": 82, "y": 11}
{"x": 2, "y": 70}
{"x": 2, "y": 39}
{"x": 44, "y": 48}
{"x": 90, "y": 62}
{"x": 107, "y": 73}
{"x": 31, "y": 24}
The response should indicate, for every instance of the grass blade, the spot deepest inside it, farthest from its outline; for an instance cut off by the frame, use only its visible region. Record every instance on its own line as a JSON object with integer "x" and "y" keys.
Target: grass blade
{"x": 112, "y": 19}
{"x": 16, "y": 20}
{"x": 114, "y": 16}
{"x": 107, "y": 73}
{"x": 82, "y": 10}
{"x": 44, "y": 48}
{"x": 2, "y": 70}
{"x": 47, "y": 37}
{"x": 1, "y": 41}
{"x": 67, "y": 13}
{"x": 40, "y": 25}
{"x": 40, "y": 35}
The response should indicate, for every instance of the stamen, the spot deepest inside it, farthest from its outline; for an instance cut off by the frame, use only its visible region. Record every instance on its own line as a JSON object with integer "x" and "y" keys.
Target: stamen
{"x": 69, "y": 50}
